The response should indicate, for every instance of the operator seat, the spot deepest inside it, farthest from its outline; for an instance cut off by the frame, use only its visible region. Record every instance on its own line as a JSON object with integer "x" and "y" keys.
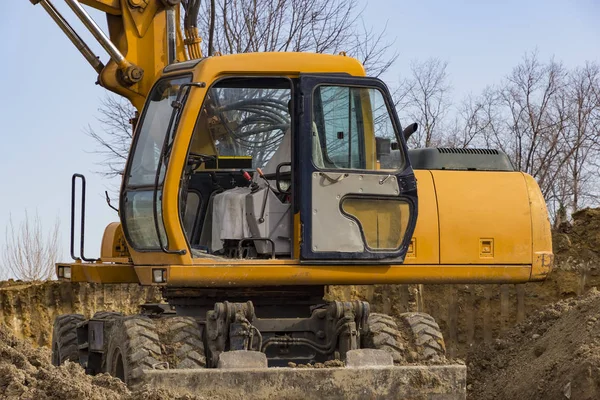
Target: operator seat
{"x": 226, "y": 213}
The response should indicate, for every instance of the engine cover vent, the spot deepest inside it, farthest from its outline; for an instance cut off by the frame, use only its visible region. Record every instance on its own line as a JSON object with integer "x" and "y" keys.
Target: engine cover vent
{"x": 449, "y": 150}
{"x": 445, "y": 158}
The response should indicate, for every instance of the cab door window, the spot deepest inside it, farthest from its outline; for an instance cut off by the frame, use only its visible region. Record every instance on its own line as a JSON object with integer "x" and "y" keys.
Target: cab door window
{"x": 346, "y": 121}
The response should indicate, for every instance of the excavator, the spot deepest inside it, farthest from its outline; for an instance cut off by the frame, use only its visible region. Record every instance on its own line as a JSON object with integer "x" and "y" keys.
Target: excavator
{"x": 253, "y": 183}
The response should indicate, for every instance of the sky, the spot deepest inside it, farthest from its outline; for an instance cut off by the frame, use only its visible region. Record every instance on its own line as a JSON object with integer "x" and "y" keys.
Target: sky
{"x": 49, "y": 96}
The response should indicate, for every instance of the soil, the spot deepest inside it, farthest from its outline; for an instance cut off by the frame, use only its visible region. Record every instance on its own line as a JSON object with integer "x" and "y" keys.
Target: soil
{"x": 26, "y": 373}
{"x": 555, "y": 354}
{"x": 28, "y": 309}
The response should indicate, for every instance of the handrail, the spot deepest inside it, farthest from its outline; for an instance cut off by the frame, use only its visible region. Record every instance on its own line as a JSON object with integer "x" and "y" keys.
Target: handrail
{"x": 82, "y": 223}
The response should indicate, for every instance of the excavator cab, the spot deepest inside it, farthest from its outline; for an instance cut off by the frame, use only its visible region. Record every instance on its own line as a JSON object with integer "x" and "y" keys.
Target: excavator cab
{"x": 273, "y": 166}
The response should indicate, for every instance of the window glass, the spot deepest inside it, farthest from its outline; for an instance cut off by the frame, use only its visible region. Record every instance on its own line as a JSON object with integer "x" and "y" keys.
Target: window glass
{"x": 138, "y": 212}
{"x": 192, "y": 206}
{"x": 139, "y": 218}
{"x": 249, "y": 118}
{"x": 152, "y": 132}
{"x": 346, "y": 123}
{"x": 383, "y": 222}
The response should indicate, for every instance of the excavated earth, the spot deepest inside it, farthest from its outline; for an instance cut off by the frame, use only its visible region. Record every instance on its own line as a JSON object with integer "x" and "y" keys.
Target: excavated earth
{"x": 528, "y": 341}
{"x": 555, "y": 354}
{"x": 26, "y": 373}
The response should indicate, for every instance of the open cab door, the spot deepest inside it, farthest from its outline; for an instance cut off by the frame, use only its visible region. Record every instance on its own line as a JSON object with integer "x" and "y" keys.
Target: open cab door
{"x": 351, "y": 211}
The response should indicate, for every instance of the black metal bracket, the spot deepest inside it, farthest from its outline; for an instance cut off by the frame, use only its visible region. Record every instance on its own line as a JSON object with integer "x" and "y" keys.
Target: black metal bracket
{"x": 242, "y": 241}
{"x": 82, "y": 222}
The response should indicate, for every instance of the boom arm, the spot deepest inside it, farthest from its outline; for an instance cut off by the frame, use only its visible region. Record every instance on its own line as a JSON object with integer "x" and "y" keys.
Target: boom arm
{"x": 144, "y": 36}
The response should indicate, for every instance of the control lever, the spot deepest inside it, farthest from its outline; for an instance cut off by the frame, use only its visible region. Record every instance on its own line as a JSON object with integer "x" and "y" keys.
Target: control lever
{"x": 260, "y": 173}
{"x": 253, "y": 185}
{"x": 264, "y": 204}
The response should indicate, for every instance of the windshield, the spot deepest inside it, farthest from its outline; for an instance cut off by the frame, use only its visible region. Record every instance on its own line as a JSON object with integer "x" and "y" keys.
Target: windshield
{"x": 137, "y": 209}
{"x": 248, "y": 121}
{"x": 151, "y": 135}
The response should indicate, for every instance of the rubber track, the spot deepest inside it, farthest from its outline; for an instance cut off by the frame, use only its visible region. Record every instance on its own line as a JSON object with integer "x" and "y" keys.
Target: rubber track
{"x": 384, "y": 335}
{"x": 426, "y": 335}
{"x": 186, "y": 333}
{"x": 65, "y": 337}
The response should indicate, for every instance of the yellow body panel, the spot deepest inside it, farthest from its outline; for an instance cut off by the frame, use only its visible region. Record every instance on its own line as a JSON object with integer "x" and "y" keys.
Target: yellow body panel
{"x": 426, "y": 239}
{"x": 108, "y": 6}
{"x": 476, "y": 206}
{"x": 278, "y": 273}
{"x": 522, "y": 246}
{"x": 540, "y": 235}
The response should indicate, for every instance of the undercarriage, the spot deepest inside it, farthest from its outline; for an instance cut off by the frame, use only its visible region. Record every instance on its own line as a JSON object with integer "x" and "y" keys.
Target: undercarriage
{"x": 275, "y": 341}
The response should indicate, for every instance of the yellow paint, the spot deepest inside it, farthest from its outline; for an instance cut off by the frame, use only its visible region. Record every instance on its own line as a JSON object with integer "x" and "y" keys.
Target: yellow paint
{"x": 472, "y": 226}
{"x": 427, "y": 235}
{"x": 297, "y": 236}
{"x": 368, "y": 129}
{"x": 102, "y": 273}
{"x": 108, "y": 6}
{"x": 140, "y": 35}
{"x": 541, "y": 235}
{"x": 113, "y": 242}
{"x": 457, "y": 209}
{"x": 475, "y": 205}
{"x": 277, "y": 273}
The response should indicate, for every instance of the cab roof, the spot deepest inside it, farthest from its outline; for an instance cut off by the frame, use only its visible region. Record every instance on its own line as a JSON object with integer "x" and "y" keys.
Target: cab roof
{"x": 276, "y": 63}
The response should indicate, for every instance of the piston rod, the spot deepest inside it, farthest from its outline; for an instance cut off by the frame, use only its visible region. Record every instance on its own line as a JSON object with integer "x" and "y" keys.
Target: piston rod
{"x": 83, "y": 48}
{"x": 171, "y": 34}
{"x": 99, "y": 34}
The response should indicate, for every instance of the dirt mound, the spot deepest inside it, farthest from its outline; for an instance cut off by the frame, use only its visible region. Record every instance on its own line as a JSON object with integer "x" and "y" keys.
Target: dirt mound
{"x": 26, "y": 373}
{"x": 577, "y": 243}
{"x": 28, "y": 309}
{"x": 555, "y": 354}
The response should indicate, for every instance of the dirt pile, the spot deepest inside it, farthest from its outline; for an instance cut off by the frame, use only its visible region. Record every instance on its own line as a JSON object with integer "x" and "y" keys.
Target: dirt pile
{"x": 29, "y": 309}
{"x": 577, "y": 243}
{"x": 555, "y": 354}
{"x": 26, "y": 373}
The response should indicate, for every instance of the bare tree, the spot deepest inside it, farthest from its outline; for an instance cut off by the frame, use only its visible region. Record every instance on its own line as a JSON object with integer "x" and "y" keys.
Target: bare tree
{"x": 474, "y": 121}
{"x": 532, "y": 129}
{"x": 544, "y": 116}
{"x": 241, "y": 26}
{"x": 425, "y": 99}
{"x": 114, "y": 140}
{"x": 547, "y": 119}
{"x": 320, "y": 26}
{"x": 30, "y": 252}
{"x": 584, "y": 134}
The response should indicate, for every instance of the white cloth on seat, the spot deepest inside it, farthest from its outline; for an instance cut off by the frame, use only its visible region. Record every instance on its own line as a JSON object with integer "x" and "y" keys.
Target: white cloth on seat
{"x": 229, "y": 217}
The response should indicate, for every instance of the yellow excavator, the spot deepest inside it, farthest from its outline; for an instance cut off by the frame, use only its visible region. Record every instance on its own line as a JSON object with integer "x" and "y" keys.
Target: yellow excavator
{"x": 252, "y": 183}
